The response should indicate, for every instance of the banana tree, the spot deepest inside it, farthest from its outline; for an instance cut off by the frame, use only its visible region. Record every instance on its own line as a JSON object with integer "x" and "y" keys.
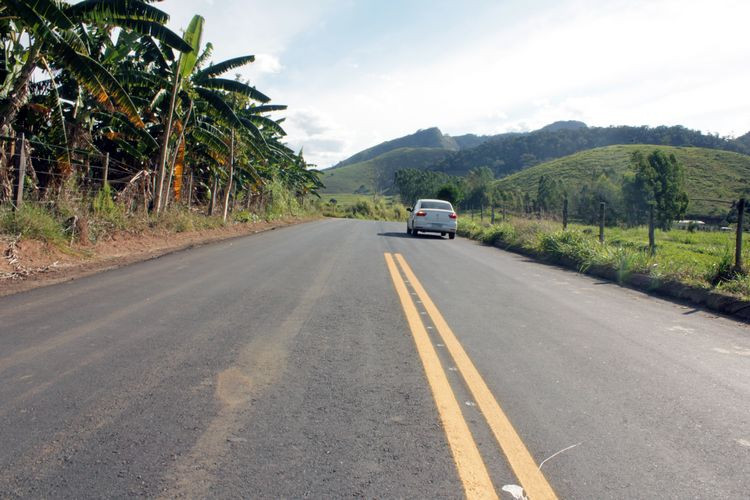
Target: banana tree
{"x": 54, "y": 34}
{"x": 212, "y": 101}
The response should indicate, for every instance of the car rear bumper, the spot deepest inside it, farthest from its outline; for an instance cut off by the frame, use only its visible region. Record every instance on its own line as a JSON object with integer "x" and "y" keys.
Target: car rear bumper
{"x": 436, "y": 228}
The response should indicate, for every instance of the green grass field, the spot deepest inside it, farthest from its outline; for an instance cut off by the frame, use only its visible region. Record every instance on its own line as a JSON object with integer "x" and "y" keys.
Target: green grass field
{"x": 700, "y": 259}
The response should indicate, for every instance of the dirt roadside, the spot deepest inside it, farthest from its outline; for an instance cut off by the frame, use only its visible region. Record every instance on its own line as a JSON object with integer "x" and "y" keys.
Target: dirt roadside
{"x": 26, "y": 264}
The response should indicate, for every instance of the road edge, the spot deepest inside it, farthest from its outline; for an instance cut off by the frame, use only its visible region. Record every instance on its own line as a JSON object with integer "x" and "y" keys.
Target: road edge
{"x": 92, "y": 267}
{"x": 735, "y": 308}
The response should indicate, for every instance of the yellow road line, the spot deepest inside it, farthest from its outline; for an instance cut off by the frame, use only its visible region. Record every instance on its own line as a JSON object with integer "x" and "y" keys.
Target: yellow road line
{"x": 471, "y": 469}
{"x": 529, "y": 476}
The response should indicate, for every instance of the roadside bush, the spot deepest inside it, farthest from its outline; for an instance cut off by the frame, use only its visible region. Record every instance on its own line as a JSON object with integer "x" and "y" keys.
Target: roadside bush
{"x": 723, "y": 270}
{"x": 245, "y": 217}
{"x": 499, "y": 235}
{"x": 572, "y": 245}
{"x": 361, "y": 209}
{"x": 33, "y": 221}
{"x": 738, "y": 286}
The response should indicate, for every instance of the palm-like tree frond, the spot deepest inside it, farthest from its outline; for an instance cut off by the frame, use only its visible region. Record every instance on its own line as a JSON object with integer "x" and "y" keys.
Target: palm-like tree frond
{"x": 105, "y": 10}
{"x": 223, "y": 67}
{"x": 155, "y": 30}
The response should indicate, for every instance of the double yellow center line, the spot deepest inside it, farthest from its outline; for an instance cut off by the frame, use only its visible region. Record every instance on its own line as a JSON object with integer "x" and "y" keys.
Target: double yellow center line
{"x": 469, "y": 463}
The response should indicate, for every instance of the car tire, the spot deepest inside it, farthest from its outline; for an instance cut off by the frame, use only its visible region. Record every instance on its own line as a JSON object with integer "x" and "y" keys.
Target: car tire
{"x": 414, "y": 232}
{"x": 442, "y": 235}
{"x": 452, "y": 236}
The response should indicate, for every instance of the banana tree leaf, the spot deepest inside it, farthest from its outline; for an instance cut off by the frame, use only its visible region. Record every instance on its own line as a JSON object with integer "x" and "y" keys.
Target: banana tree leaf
{"x": 223, "y": 67}
{"x": 47, "y": 10}
{"x": 34, "y": 20}
{"x": 121, "y": 123}
{"x": 219, "y": 105}
{"x": 212, "y": 142}
{"x": 155, "y": 30}
{"x": 265, "y": 108}
{"x": 106, "y": 10}
{"x": 267, "y": 124}
{"x": 153, "y": 53}
{"x": 192, "y": 38}
{"x": 234, "y": 86}
{"x": 98, "y": 81}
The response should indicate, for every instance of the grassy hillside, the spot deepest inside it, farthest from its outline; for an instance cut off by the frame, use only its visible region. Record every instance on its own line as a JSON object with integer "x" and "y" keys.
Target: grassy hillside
{"x": 506, "y": 155}
{"x": 709, "y": 173}
{"x": 376, "y": 175}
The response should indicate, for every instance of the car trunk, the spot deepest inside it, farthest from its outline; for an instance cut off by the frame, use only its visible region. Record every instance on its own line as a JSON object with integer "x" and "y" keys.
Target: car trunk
{"x": 435, "y": 219}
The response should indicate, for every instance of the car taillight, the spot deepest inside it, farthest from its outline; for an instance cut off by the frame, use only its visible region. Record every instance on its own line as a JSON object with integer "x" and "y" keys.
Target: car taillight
{"x": 453, "y": 216}
{"x": 421, "y": 213}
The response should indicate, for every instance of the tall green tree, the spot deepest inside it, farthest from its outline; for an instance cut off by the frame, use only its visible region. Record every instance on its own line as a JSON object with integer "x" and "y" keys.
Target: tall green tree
{"x": 656, "y": 180}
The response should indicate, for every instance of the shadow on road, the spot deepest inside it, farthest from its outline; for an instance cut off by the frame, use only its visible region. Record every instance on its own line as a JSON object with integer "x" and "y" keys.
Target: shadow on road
{"x": 404, "y": 235}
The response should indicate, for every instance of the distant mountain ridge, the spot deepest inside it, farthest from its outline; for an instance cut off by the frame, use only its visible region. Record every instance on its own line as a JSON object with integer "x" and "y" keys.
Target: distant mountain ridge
{"x": 425, "y": 138}
{"x": 372, "y": 169}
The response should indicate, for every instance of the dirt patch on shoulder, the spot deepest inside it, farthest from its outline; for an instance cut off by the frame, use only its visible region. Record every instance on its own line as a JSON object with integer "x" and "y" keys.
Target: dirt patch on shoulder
{"x": 27, "y": 264}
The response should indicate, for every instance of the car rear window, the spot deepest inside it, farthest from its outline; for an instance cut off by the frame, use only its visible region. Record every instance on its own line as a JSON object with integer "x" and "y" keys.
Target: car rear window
{"x": 438, "y": 205}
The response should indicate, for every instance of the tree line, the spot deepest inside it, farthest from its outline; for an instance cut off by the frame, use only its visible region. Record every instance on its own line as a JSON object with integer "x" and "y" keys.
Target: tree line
{"x": 108, "y": 79}
{"x": 654, "y": 181}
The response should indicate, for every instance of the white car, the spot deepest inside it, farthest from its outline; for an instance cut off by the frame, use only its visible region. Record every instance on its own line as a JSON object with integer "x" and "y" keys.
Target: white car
{"x": 432, "y": 216}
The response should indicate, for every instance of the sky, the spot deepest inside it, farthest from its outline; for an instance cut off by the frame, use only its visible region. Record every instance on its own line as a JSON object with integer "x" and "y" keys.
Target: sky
{"x": 355, "y": 73}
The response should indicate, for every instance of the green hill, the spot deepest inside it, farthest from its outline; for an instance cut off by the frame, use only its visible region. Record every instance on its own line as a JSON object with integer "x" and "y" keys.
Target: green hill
{"x": 376, "y": 175}
{"x": 426, "y": 138}
{"x": 709, "y": 173}
{"x": 508, "y": 154}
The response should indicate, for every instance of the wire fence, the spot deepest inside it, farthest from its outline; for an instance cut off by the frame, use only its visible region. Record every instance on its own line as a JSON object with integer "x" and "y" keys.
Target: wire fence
{"x": 27, "y": 176}
{"x": 500, "y": 213}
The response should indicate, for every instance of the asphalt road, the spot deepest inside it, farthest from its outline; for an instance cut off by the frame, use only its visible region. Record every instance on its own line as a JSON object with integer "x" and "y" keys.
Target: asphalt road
{"x": 285, "y": 364}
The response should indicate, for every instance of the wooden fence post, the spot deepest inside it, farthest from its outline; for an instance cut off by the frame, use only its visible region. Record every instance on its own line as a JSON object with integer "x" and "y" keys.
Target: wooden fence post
{"x": 492, "y": 217}
{"x": 740, "y": 224}
{"x": 105, "y": 175}
{"x": 21, "y": 171}
{"x": 651, "y": 241}
{"x": 601, "y": 222}
{"x": 190, "y": 190}
{"x": 565, "y": 213}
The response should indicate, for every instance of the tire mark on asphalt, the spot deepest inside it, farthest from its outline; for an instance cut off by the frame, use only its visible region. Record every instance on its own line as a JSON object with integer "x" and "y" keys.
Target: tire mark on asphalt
{"x": 42, "y": 459}
{"x": 257, "y": 367}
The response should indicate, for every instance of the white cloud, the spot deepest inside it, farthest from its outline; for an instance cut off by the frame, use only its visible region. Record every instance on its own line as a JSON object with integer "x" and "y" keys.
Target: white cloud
{"x": 646, "y": 63}
{"x": 505, "y": 66}
{"x": 267, "y": 63}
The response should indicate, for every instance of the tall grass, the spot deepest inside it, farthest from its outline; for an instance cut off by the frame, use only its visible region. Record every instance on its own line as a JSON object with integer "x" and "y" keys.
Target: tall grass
{"x": 365, "y": 207}
{"x": 33, "y": 221}
{"x": 698, "y": 259}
